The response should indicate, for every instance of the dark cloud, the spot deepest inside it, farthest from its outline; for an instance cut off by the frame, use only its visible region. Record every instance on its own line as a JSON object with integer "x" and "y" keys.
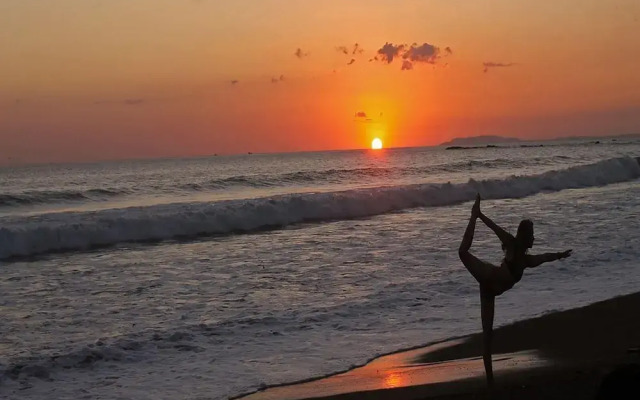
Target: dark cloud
{"x": 278, "y": 79}
{"x": 494, "y": 64}
{"x": 389, "y": 51}
{"x": 343, "y": 50}
{"x": 353, "y": 50}
{"x": 352, "y": 61}
{"x": 234, "y": 82}
{"x": 424, "y": 53}
{"x": 490, "y": 64}
{"x": 364, "y": 118}
{"x": 126, "y": 102}
{"x": 300, "y": 54}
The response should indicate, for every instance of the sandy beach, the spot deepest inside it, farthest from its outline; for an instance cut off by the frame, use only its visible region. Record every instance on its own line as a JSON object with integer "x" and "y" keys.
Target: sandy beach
{"x": 562, "y": 355}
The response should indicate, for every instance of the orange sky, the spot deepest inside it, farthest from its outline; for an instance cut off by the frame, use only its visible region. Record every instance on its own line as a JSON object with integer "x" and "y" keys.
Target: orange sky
{"x": 84, "y": 80}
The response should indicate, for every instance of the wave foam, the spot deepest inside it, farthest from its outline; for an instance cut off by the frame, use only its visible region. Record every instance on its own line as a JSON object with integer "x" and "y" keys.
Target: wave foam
{"x": 53, "y": 196}
{"x": 266, "y": 180}
{"x": 132, "y": 348}
{"x": 32, "y": 235}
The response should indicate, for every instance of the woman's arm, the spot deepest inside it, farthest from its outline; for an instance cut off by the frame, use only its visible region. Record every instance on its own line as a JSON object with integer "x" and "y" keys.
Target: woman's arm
{"x": 505, "y": 237}
{"x": 535, "y": 260}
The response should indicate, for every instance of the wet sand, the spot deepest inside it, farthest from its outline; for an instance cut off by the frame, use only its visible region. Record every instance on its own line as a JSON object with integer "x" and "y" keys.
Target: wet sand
{"x": 563, "y": 355}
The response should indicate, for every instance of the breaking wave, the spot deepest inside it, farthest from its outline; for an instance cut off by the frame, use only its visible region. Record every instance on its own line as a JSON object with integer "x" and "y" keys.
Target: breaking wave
{"x": 25, "y": 236}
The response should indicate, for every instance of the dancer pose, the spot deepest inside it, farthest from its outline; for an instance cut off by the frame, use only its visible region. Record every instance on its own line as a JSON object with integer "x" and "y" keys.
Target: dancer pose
{"x": 496, "y": 280}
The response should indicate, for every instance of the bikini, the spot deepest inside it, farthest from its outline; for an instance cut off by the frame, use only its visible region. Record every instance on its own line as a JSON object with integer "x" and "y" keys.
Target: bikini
{"x": 498, "y": 283}
{"x": 515, "y": 271}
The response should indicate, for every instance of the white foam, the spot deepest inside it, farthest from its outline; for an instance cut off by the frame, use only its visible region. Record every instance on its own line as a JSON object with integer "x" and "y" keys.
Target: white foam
{"x": 23, "y": 236}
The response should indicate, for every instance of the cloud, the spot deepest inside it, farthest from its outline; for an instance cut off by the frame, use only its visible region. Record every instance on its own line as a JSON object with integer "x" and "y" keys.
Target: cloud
{"x": 389, "y": 51}
{"x": 278, "y": 79}
{"x": 363, "y": 117}
{"x": 343, "y": 50}
{"x": 126, "y": 102}
{"x": 234, "y": 82}
{"x": 490, "y": 64}
{"x": 352, "y": 61}
{"x": 300, "y": 54}
{"x": 353, "y": 50}
{"x": 425, "y": 53}
{"x": 494, "y": 64}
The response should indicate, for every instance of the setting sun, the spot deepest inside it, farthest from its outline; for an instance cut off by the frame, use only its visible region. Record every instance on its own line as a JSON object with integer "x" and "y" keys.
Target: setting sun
{"x": 376, "y": 144}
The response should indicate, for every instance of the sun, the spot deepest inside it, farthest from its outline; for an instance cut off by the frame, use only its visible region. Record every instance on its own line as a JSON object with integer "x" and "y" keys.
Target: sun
{"x": 376, "y": 144}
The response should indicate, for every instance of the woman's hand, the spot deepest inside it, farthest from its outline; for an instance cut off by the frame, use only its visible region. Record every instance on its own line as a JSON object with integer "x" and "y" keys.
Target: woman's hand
{"x": 475, "y": 210}
{"x": 564, "y": 254}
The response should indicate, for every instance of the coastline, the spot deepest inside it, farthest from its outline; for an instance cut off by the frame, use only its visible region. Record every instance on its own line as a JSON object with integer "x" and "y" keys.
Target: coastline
{"x": 564, "y": 354}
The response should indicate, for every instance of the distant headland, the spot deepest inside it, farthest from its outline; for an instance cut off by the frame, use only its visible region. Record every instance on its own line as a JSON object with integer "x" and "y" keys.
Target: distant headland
{"x": 480, "y": 140}
{"x": 484, "y": 141}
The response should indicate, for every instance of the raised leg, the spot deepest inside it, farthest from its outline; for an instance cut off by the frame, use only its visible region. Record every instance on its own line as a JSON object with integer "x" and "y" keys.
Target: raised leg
{"x": 478, "y": 268}
{"x": 467, "y": 239}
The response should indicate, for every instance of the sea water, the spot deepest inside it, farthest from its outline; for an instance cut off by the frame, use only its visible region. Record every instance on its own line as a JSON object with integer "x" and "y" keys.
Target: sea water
{"x": 211, "y": 277}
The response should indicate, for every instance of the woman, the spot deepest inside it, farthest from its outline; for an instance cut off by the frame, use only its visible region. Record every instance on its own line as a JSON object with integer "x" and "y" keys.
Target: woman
{"x": 496, "y": 280}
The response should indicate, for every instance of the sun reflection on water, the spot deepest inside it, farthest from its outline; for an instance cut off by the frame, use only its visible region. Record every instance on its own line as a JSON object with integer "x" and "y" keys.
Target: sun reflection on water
{"x": 393, "y": 380}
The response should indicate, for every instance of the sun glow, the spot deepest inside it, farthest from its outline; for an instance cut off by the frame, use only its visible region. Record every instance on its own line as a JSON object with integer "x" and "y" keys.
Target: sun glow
{"x": 376, "y": 144}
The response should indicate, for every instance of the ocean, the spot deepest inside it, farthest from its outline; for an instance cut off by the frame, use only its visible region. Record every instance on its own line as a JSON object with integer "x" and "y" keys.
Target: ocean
{"x": 208, "y": 278}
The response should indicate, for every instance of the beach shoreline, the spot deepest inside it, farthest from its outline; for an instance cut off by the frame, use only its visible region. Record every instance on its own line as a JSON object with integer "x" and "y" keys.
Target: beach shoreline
{"x": 565, "y": 354}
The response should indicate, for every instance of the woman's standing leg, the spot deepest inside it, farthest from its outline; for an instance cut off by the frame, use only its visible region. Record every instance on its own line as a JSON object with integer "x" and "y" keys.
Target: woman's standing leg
{"x": 487, "y": 306}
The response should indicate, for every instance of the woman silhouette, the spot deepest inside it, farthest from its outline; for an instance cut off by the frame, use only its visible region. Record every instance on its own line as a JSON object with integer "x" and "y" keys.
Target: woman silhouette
{"x": 496, "y": 280}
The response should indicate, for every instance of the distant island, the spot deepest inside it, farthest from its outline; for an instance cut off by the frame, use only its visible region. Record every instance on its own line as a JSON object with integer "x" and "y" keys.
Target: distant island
{"x": 489, "y": 141}
{"x": 480, "y": 140}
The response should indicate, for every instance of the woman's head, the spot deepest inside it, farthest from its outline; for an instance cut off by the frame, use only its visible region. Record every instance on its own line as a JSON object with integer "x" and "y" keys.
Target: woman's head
{"x": 524, "y": 236}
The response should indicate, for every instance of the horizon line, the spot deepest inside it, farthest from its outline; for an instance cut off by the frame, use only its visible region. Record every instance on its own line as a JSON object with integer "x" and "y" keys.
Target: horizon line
{"x": 250, "y": 153}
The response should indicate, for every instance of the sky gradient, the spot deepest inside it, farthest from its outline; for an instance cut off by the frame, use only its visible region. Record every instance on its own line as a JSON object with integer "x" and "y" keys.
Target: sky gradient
{"x": 85, "y": 80}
